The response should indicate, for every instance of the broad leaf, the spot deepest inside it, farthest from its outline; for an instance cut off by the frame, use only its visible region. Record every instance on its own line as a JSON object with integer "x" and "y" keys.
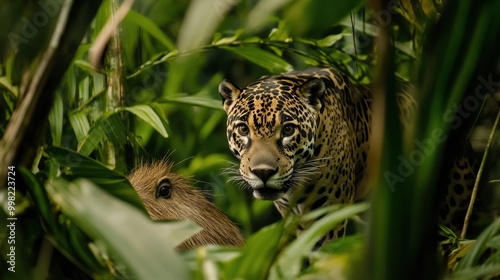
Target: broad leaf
{"x": 80, "y": 124}
{"x": 200, "y": 22}
{"x": 306, "y": 17}
{"x": 258, "y": 254}
{"x": 78, "y": 166}
{"x": 146, "y": 248}
{"x": 147, "y": 114}
{"x": 265, "y": 59}
{"x": 263, "y": 11}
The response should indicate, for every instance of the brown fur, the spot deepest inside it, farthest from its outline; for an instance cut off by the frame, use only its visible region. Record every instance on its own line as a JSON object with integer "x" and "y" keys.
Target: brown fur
{"x": 185, "y": 202}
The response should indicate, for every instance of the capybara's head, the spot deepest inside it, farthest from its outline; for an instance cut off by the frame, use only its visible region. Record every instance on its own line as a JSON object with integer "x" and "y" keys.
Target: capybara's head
{"x": 169, "y": 196}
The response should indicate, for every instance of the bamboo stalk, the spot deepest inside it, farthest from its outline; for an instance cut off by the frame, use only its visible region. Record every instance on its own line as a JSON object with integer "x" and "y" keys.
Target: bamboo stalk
{"x": 478, "y": 177}
{"x": 114, "y": 156}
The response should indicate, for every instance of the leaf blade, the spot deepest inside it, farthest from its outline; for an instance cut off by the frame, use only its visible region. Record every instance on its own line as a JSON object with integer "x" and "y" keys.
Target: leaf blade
{"x": 263, "y": 58}
{"x": 79, "y": 166}
{"x": 146, "y": 246}
{"x": 148, "y": 114}
{"x": 150, "y": 27}
{"x": 193, "y": 100}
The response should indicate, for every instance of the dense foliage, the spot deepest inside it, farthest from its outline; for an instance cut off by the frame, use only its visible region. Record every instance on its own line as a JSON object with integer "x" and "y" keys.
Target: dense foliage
{"x": 89, "y": 90}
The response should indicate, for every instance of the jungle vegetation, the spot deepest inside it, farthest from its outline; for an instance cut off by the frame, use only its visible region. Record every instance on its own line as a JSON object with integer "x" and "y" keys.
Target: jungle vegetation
{"x": 89, "y": 89}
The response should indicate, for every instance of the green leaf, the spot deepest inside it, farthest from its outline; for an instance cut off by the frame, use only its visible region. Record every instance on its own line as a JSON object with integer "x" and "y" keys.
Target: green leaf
{"x": 78, "y": 242}
{"x": 147, "y": 114}
{"x": 79, "y": 123}
{"x": 480, "y": 247}
{"x": 305, "y": 17}
{"x": 193, "y": 100}
{"x": 206, "y": 262}
{"x": 258, "y": 254}
{"x": 150, "y": 27}
{"x": 263, "y": 58}
{"x": 85, "y": 66}
{"x": 56, "y": 120}
{"x": 262, "y": 12}
{"x": 143, "y": 246}
{"x": 40, "y": 199}
{"x": 200, "y": 22}
{"x": 289, "y": 263}
{"x": 116, "y": 131}
{"x": 108, "y": 124}
{"x": 478, "y": 272}
{"x": 67, "y": 238}
{"x": 155, "y": 59}
{"x": 100, "y": 83}
{"x": 344, "y": 245}
{"x": 329, "y": 40}
{"x": 79, "y": 166}
{"x": 12, "y": 90}
{"x": 91, "y": 141}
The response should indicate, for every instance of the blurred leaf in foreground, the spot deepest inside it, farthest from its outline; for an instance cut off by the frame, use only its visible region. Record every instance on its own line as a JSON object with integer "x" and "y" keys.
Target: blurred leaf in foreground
{"x": 146, "y": 248}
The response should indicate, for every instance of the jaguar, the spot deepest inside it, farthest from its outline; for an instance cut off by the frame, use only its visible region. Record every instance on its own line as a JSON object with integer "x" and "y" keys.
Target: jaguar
{"x": 302, "y": 140}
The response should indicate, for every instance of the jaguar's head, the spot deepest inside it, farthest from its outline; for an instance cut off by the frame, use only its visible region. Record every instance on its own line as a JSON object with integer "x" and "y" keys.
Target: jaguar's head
{"x": 271, "y": 128}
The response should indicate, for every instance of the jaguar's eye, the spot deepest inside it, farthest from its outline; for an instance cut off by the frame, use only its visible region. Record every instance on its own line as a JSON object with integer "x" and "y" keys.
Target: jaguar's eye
{"x": 164, "y": 189}
{"x": 288, "y": 130}
{"x": 243, "y": 129}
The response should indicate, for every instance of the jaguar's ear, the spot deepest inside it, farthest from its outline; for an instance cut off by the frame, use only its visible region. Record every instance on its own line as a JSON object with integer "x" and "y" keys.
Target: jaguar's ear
{"x": 313, "y": 91}
{"x": 229, "y": 92}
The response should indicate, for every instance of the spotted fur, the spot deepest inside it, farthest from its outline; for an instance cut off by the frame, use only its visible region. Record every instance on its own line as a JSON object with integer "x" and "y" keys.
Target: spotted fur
{"x": 302, "y": 138}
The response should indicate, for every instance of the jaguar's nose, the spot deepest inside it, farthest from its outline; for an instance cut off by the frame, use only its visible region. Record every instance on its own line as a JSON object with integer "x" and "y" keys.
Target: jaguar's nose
{"x": 264, "y": 173}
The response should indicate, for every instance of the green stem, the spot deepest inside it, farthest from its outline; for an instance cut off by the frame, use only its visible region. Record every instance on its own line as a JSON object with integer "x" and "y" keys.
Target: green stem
{"x": 478, "y": 177}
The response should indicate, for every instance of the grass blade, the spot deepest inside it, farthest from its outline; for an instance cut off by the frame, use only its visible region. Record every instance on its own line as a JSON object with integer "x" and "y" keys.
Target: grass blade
{"x": 482, "y": 244}
{"x": 290, "y": 261}
{"x": 56, "y": 120}
{"x": 193, "y": 100}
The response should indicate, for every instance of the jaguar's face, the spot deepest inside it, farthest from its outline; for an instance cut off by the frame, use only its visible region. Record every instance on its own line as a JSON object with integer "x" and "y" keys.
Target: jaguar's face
{"x": 271, "y": 128}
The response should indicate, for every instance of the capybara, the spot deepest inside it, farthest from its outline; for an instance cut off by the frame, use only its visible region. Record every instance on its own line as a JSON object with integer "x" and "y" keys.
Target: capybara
{"x": 168, "y": 196}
